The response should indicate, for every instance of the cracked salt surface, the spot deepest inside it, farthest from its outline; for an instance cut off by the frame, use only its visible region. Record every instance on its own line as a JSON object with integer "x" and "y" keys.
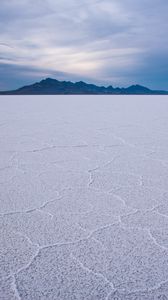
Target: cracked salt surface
{"x": 84, "y": 198}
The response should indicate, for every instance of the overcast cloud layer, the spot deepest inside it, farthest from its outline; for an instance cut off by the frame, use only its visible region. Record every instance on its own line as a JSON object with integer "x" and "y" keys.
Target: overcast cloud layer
{"x": 118, "y": 42}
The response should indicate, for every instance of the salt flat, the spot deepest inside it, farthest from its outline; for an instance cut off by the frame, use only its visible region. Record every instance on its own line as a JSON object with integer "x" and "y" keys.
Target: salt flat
{"x": 84, "y": 197}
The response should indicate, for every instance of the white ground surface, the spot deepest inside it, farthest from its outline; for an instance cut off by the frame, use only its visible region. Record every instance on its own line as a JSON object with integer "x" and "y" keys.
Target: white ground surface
{"x": 84, "y": 198}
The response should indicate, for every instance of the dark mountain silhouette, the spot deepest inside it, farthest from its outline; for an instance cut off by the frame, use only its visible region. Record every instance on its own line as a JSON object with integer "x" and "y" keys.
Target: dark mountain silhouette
{"x": 54, "y": 87}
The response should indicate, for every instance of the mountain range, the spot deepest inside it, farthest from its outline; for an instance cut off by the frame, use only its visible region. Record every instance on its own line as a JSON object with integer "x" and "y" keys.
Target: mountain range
{"x": 51, "y": 86}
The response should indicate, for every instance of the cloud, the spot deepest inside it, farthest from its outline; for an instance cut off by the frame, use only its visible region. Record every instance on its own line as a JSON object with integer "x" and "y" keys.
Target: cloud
{"x": 107, "y": 41}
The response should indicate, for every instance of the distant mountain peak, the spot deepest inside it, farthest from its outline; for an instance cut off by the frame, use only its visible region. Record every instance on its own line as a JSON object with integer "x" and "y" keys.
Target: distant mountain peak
{"x": 50, "y": 86}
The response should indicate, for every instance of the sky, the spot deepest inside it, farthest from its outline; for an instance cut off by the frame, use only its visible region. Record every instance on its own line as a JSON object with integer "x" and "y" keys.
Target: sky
{"x": 109, "y": 42}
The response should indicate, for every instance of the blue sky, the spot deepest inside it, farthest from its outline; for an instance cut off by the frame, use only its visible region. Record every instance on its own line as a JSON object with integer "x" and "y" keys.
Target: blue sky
{"x": 118, "y": 42}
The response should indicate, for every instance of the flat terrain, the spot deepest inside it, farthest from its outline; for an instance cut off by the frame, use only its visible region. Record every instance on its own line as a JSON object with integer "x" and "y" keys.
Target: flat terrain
{"x": 83, "y": 197}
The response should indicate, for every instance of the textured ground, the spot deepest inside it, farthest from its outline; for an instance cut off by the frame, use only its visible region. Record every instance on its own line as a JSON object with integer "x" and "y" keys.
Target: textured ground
{"x": 84, "y": 198}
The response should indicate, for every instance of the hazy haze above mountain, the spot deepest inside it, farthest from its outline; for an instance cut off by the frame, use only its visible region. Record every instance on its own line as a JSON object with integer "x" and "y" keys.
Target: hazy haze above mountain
{"x": 50, "y": 86}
